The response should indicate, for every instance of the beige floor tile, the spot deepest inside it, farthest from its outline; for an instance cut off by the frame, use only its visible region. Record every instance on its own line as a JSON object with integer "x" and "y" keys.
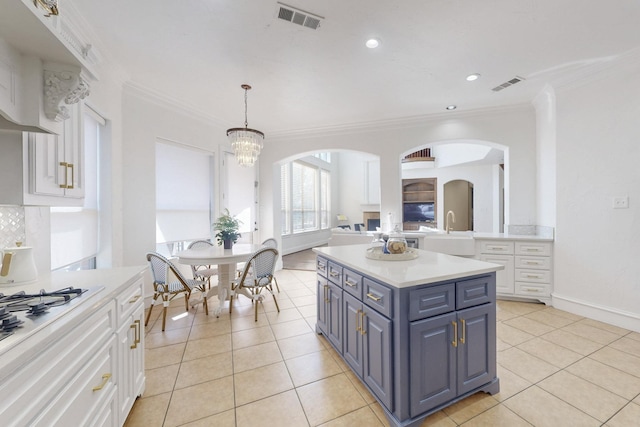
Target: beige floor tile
{"x": 256, "y": 356}
{"x": 199, "y": 401}
{"x": 634, "y": 336}
{"x": 241, "y": 323}
{"x": 549, "y": 318}
{"x": 169, "y": 337}
{"x": 250, "y": 337}
{"x": 498, "y": 416}
{"x": 300, "y": 345}
{"x": 261, "y": 382}
{"x": 525, "y": 365}
{"x": 503, "y": 315}
{"x": 618, "y": 359}
{"x": 363, "y": 417}
{"x": 224, "y": 419}
{"x": 308, "y": 310}
{"x": 470, "y": 407}
{"x": 205, "y": 369}
{"x": 312, "y": 367}
{"x": 285, "y": 315}
{"x": 280, "y": 410}
{"x": 511, "y": 335}
{"x": 438, "y": 419}
{"x": 290, "y": 329}
{"x": 627, "y": 417}
{"x": 550, "y": 352}
{"x": 298, "y": 292}
{"x": 529, "y": 326}
{"x": 594, "y": 334}
{"x": 501, "y": 345}
{"x": 572, "y": 342}
{"x": 149, "y": 411}
{"x": 177, "y": 318}
{"x": 163, "y": 356}
{"x": 562, "y": 313}
{"x": 612, "y": 379}
{"x": 304, "y": 300}
{"x": 510, "y": 384}
{"x": 520, "y": 308}
{"x": 604, "y": 326}
{"x": 160, "y": 380}
{"x": 207, "y": 347}
{"x": 210, "y": 329}
{"x": 359, "y": 385}
{"x": 542, "y": 409}
{"x": 627, "y": 345}
{"x": 329, "y": 398}
{"x": 588, "y": 397}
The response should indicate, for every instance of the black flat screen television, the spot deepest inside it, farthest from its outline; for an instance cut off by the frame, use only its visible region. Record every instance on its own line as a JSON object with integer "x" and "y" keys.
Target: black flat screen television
{"x": 418, "y": 212}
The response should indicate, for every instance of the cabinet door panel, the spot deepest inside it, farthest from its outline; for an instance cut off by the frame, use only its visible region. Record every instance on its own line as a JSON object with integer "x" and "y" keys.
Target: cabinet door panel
{"x": 322, "y": 293}
{"x": 432, "y": 362}
{"x": 377, "y": 356}
{"x": 476, "y": 347}
{"x": 352, "y": 338}
{"x": 504, "y": 278}
{"x": 46, "y": 153}
{"x": 334, "y": 316}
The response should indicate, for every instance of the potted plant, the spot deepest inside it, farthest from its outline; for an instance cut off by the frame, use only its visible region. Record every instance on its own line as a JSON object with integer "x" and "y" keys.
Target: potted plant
{"x": 226, "y": 227}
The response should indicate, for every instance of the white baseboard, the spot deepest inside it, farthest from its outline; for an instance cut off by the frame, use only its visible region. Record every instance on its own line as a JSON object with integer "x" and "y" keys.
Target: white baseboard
{"x": 613, "y": 316}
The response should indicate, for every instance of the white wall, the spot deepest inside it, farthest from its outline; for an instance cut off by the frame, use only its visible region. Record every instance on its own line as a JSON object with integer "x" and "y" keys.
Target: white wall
{"x": 354, "y": 185}
{"x": 597, "y": 272}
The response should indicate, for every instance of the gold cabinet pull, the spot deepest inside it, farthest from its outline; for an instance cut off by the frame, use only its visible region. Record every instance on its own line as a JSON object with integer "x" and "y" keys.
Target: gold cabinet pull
{"x": 373, "y": 297}
{"x": 136, "y": 333}
{"x": 326, "y": 293}
{"x": 455, "y": 334}
{"x": 362, "y": 331}
{"x": 358, "y": 328}
{"x": 72, "y": 175}
{"x": 66, "y": 175}
{"x": 351, "y": 284}
{"x": 333, "y": 273}
{"x": 134, "y": 299}
{"x": 105, "y": 380}
{"x": 464, "y": 331}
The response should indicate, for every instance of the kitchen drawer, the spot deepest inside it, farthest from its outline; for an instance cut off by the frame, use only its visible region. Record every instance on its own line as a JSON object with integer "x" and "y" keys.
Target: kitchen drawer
{"x": 537, "y": 276}
{"x": 496, "y": 247}
{"x": 352, "y": 283}
{"x": 533, "y": 289}
{"x": 479, "y": 290}
{"x": 533, "y": 262}
{"x": 431, "y": 301}
{"x": 84, "y": 396}
{"x": 129, "y": 300}
{"x": 533, "y": 248}
{"x": 377, "y": 296}
{"x": 334, "y": 273}
{"x": 322, "y": 266}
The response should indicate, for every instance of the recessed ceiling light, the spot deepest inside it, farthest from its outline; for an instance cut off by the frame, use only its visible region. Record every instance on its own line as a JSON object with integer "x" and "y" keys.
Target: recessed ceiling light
{"x": 372, "y": 43}
{"x": 472, "y": 77}
{"x": 451, "y": 107}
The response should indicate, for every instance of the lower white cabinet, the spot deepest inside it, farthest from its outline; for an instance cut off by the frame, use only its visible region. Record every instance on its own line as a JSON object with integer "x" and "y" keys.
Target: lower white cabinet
{"x": 527, "y": 267}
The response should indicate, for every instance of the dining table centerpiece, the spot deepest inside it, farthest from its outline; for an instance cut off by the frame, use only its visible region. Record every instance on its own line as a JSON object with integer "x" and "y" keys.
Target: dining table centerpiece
{"x": 226, "y": 227}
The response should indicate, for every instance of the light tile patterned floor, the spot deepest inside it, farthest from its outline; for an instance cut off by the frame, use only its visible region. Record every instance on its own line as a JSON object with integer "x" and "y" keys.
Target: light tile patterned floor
{"x": 555, "y": 369}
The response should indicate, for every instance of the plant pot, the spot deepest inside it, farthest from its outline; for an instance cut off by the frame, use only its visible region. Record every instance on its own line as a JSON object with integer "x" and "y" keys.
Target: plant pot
{"x": 228, "y": 243}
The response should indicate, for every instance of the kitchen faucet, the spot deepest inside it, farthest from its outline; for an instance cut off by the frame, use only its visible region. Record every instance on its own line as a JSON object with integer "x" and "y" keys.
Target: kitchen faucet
{"x": 453, "y": 220}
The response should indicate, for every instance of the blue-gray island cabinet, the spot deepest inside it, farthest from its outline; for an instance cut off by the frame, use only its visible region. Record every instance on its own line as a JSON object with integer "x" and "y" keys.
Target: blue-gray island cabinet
{"x": 420, "y": 334}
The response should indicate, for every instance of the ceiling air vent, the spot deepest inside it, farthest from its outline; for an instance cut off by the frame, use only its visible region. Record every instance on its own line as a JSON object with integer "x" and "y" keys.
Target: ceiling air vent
{"x": 508, "y": 83}
{"x": 297, "y": 16}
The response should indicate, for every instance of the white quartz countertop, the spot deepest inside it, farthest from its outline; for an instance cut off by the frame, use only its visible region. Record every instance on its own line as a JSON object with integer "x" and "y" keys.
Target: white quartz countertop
{"x": 507, "y": 236}
{"x": 429, "y": 267}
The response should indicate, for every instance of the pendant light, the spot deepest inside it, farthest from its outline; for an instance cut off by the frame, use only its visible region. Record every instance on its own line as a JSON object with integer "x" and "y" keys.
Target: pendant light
{"x": 246, "y": 142}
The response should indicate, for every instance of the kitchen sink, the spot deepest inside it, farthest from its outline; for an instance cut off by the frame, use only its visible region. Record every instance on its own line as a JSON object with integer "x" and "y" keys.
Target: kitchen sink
{"x": 459, "y": 243}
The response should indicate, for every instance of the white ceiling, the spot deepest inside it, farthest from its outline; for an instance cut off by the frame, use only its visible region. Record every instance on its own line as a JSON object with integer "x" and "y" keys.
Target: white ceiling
{"x": 199, "y": 52}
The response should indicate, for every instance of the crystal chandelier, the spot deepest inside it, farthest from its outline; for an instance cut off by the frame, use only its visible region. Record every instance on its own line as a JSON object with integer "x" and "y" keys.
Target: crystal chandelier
{"x": 246, "y": 142}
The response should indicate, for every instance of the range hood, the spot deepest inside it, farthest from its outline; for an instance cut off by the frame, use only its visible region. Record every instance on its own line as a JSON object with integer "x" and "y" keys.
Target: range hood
{"x": 9, "y": 125}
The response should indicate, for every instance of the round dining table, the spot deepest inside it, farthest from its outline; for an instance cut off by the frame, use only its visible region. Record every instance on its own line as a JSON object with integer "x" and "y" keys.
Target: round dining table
{"x": 227, "y": 261}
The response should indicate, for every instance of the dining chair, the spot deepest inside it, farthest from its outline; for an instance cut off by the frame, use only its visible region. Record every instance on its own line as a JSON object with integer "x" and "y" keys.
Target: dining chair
{"x": 272, "y": 243}
{"x": 202, "y": 272}
{"x": 256, "y": 276}
{"x": 168, "y": 282}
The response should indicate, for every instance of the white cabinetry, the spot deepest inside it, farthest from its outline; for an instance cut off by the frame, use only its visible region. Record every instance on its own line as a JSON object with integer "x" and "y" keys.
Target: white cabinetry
{"x": 57, "y": 161}
{"x": 528, "y": 269}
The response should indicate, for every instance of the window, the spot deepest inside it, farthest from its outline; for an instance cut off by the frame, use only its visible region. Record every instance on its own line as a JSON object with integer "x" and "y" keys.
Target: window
{"x": 305, "y": 197}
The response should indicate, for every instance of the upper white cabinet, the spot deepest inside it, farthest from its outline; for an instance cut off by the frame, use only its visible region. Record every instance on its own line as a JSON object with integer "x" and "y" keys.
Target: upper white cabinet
{"x": 56, "y": 161}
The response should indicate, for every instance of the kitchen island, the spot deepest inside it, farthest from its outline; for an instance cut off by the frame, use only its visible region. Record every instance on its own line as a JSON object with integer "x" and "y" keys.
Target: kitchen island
{"x": 420, "y": 333}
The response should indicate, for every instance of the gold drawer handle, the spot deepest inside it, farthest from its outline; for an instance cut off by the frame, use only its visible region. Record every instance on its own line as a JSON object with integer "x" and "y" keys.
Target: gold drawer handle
{"x": 352, "y": 284}
{"x": 333, "y": 274}
{"x": 105, "y": 380}
{"x": 136, "y": 334}
{"x": 533, "y": 276}
{"x": 72, "y": 175}
{"x": 134, "y": 299}
{"x": 326, "y": 293}
{"x": 532, "y": 290}
{"x": 362, "y": 314}
{"x": 455, "y": 334}
{"x": 464, "y": 331}
{"x": 496, "y": 248}
{"x": 66, "y": 175}
{"x": 373, "y": 297}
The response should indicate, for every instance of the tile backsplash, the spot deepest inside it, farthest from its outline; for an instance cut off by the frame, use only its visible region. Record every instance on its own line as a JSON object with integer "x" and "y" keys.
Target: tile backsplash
{"x": 12, "y": 225}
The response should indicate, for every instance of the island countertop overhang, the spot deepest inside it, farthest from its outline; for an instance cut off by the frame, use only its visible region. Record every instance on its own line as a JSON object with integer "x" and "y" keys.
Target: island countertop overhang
{"x": 429, "y": 267}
